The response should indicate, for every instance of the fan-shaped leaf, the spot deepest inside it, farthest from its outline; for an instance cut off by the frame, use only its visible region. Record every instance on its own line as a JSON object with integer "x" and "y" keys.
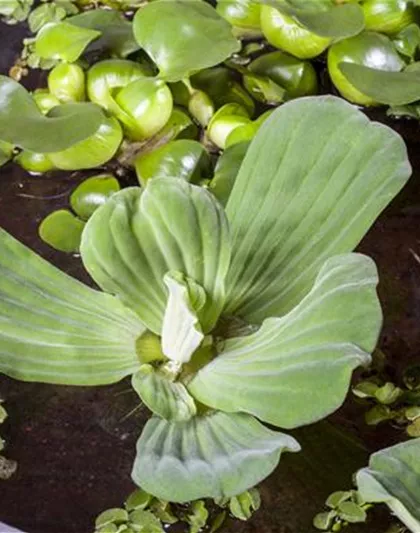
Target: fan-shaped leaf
{"x": 314, "y": 179}
{"x": 131, "y": 242}
{"x": 54, "y": 329}
{"x": 22, "y": 123}
{"x": 393, "y": 477}
{"x": 217, "y": 455}
{"x": 296, "y": 370}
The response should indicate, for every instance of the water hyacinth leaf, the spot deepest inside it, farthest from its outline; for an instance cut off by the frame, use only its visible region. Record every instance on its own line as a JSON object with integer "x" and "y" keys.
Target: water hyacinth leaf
{"x": 62, "y": 230}
{"x": 167, "y": 399}
{"x": 54, "y": 329}
{"x": 296, "y": 370}
{"x": 407, "y": 42}
{"x": 195, "y": 37}
{"x": 92, "y": 193}
{"x": 336, "y": 22}
{"x": 181, "y": 330}
{"x": 217, "y": 455}
{"x": 184, "y": 159}
{"x": 226, "y": 170}
{"x": 116, "y": 31}
{"x": 392, "y": 88}
{"x": 131, "y": 242}
{"x": 92, "y": 152}
{"x": 63, "y": 41}
{"x": 314, "y": 178}
{"x": 393, "y": 477}
{"x": 23, "y": 124}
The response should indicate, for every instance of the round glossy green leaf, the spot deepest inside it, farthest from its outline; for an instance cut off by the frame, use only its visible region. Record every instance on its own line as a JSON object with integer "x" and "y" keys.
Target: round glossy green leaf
{"x": 92, "y": 193}
{"x": 407, "y": 41}
{"x": 91, "y": 152}
{"x": 226, "y": 170}
{"x": 370, "y": 52}
{"x": 63, "y": 41}
{"x": 116, "y": 31}
{"x": 67, "y": 81}
{"x": 184, "y": 461}
{"x": 62, "y": 230}
{"x": 45, "y": 14}
{"x": 23, "y": 124}
{"x": 179, "y": 126}
{"x": 34, "y": 162}
{"x": 45, "y": 100}
{"x": 195, "y": 36}
{"x": 184, "y": 159}
{"x": 244, "y": 15}
{"x": 388, "y": 16}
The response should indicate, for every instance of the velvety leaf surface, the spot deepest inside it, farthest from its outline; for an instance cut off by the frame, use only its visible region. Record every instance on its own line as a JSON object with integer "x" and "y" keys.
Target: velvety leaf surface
{"x": 116, "y": 31}
{"x": 131, "y": 242}
{"x": 63, "y": 41}
{"x": 23, "y": 124}
{"x": 314, "y": 179}
{"x": 296, "y": 370}
{"x": 392, "y": 88}
{"x": 165, "y": 398}
{"x": 393, "y": 477}
{"x": 54, "y": 329}
{"x": 217, "y": 455}
{"x": 195, "y": 37}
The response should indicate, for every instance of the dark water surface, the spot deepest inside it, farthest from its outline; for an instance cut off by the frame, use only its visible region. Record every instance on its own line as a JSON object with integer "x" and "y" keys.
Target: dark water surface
{"x": 75, "y": 446}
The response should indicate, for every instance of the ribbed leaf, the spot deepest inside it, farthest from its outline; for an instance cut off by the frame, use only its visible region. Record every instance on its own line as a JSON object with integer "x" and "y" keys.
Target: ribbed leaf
{"x": 138, "y": 236}
{"x": 393, "y": 477}
{"x": 54, "y": 329}
{"x": 181, "y": 330}
{"x": 296, "y": 369}
{"x": 217, "y": 455}
{"x": 23, "y": 124}
{"x": 167, "y": 399}
{"x": 314, "y": 179}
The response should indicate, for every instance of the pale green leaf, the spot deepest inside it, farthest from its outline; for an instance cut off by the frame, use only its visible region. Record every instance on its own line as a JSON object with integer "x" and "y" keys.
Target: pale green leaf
{"x": 131, "y": 242}
{"x": 23, "y": 124}
{"x": 63, "y": 41}
{"x": 314, "y": 179}
{"x": 217, "y": 455}
{"x": 195, "y": 37}
{"x": 296, "y": 370}
{"x": 54, "y": 329}
{"x": 165, "y": 398}
{"x": 393, "y": 477}
{"x": 181, "y": 329}
{"x": 386, "y": 87}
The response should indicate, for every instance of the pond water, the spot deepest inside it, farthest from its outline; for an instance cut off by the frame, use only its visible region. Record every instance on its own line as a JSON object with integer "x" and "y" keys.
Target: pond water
{"x": 75, "y": 446}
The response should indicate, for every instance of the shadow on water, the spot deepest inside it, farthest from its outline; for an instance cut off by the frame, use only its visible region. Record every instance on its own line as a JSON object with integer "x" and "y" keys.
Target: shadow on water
{"x": 75, "y": 446}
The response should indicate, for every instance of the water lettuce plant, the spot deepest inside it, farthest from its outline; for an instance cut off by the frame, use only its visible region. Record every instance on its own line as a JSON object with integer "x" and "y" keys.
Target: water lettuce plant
{"x": 224, "y": 318}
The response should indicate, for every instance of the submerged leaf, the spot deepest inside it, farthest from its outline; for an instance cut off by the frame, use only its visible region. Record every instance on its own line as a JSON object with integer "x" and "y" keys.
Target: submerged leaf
{"x": 313, "y": 180}
{"x": 296, "y": 370}
{"x": 195, "y": 37}
{"x": 216, "y": 456}
{"x": 54, "y": 329}
{"x": 23, "y": 124}
{"x": 131, "y": 242}
{"x": 393, "y": 477}
{"x": 167, "y": 399}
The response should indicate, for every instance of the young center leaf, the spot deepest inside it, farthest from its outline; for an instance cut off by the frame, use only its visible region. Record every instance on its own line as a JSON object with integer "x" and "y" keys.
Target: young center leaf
{"x": 54, "y": 329}
{"x": 195, "y": 37}
{"x": 23, "y": 124}
{"x": 393, "y": 477}
{"x": 217, "y": 455}
{"x": 131, "y": 242}
{"x": 314, "y": 179}
{"x": 296, "y": 370}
